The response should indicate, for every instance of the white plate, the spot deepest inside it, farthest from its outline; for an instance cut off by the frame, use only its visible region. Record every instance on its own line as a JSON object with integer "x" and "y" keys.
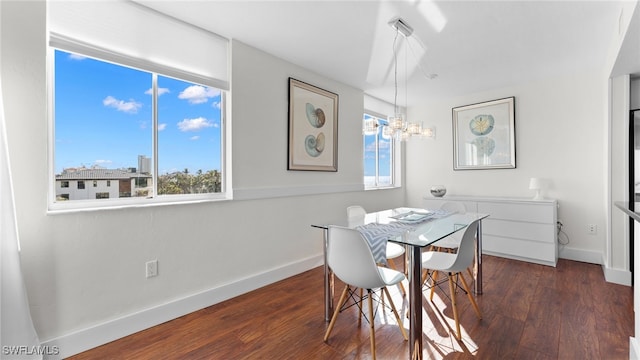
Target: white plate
{"x": 412, "y": 217}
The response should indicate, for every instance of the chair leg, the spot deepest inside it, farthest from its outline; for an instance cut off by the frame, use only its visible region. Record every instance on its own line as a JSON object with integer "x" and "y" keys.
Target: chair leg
{"x": 470, "y": 296}
{"x": 470, "y": 273}
{"x": 343, "y": 298}
{"x": 452, "y": 289}
{"x": 394, "y": 266}
{"x": 402, "y": 290}
{"x": 425, "y": 273}
{"x": 395, "y": 312}
{"x": 360, "y": 312}
{"x": 371, "y": 325}
{"x": 434, "y": 278}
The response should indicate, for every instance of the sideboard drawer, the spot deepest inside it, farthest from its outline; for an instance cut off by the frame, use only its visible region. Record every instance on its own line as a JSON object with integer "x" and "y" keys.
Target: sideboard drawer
{"x": 529, "y": 212}
{"x": 541, "y": 253}
{"x": 521, "y": 229}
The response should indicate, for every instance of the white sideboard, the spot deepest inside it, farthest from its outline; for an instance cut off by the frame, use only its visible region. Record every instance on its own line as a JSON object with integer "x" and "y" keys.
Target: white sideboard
{"x": 521, "y": 229}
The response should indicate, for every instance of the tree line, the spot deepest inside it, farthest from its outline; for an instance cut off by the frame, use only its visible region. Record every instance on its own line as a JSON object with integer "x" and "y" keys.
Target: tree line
{"x": 187, "y": 183}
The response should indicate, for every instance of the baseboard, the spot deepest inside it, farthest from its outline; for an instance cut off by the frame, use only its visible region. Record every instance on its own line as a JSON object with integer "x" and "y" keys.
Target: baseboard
{"x": 634, "y": 349}
{"x": 519, "y": 258}
{"x": 588, "y": 256}
{"x": 617, "y": 276}
{"x": 79, "y": 341}
{"x": 593, "y": 257}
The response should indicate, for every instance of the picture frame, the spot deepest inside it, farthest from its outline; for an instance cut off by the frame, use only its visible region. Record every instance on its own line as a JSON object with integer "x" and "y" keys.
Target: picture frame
{"x": 313, "y": 128}
{"x": 484, "y": 135}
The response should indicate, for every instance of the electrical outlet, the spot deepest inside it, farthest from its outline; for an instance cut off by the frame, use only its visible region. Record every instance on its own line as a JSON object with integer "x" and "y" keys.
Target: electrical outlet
{"x": 592, "y": 229}
{"x": 151, "y": 268}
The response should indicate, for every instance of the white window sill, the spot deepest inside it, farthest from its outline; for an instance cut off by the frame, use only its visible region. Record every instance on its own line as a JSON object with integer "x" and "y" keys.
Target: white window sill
{"x": 382, "y": 187}
{"x": 76, "y": 206}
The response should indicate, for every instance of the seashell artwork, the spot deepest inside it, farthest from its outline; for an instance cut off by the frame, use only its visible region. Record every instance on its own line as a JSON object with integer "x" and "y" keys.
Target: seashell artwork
{"x": 315, "y": 116}
{"x": 313, "y": 128}
{"x": 481, "y": 124}
{"x": 320, "y": 142}
{"x": 484, "y": 145}
{"x": 314, "y": 145}
{"x": 484, "y": 135}
{"x": 321, "y": 118}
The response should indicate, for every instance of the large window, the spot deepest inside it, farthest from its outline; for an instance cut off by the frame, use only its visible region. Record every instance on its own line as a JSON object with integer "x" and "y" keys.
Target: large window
{"x": 378, "y": 157}
{"x": 158, "y": 137}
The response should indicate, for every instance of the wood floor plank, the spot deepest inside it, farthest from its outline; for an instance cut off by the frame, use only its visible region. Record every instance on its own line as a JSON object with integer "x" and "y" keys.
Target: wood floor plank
{"x": 542, "y": 327}
{"x": 529, "y": 312}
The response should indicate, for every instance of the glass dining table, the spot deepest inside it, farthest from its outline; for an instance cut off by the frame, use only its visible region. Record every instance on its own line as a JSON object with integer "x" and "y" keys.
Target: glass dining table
{"x": 416, "y": 235}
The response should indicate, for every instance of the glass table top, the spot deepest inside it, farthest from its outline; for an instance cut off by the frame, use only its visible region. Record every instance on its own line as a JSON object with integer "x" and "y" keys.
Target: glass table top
{"x": 414, "y": 226}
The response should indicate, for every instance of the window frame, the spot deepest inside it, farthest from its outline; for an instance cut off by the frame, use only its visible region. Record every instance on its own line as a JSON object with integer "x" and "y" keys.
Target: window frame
{"x": 96, "y": 204}
{"x": 395, "y": 154}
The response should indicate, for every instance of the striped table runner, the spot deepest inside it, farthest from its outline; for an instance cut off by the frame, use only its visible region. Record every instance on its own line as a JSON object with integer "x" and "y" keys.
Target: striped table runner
{"x": 378, "y": 234}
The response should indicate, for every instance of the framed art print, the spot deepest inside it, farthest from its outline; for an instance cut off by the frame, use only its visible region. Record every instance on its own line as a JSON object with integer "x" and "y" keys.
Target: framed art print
{"x": 484, "y": 135}
{"x": 313, "y": 128}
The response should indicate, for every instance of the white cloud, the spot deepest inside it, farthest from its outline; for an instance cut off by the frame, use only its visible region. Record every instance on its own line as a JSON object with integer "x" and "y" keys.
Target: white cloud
{"x": 102, "y": 162}
{"x": 215, "y": 104}
{"x": 382, "y": 144}
{"x": 194, "y": 138}
{"x": 161, "y": 91}
{"x": 370, "y": 147}
{"x": 76, "y": 57}
{"x": 130, "y": 107}
{"x": 197, "y": 94}
{"x": 162, "y": 127}
{"x": 196, "y": 124}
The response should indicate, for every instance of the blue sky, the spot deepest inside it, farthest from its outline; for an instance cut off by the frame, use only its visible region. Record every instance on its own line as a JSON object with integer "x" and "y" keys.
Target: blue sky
{"x": 384, "y": 157}
{"x": 103, "y": 116}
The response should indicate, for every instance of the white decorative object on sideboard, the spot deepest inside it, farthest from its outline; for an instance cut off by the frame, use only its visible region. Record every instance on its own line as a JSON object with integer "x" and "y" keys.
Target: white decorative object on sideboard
{"x": 521, "y": 229}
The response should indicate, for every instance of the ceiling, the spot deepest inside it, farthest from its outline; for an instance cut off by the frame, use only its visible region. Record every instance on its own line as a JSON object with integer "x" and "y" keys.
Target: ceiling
{"x": 472, "y": 46}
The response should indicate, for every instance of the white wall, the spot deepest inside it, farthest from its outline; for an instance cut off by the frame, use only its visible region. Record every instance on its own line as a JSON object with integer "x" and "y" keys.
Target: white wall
{"x": 85, "y": 271}
{"x": 635, "y": 94}
{"x": 260, "y": 112}
{"x": 560, "y": 138}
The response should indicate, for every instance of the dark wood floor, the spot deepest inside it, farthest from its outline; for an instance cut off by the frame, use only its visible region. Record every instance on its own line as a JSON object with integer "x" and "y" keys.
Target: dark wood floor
{"x": 529, "y": 312}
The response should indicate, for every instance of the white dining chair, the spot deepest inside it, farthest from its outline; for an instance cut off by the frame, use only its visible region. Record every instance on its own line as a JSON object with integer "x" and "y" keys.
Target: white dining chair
{"x": 393, "y": 250}
{"x": 451, "y": 242}
{"x": 355, "y": 216}
{"x": 453, "y": 264}
{"x": 349, "y": 257}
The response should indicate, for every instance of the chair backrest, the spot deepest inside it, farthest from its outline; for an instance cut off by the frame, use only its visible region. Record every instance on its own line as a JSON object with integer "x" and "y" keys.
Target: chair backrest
{"x": 350, "y": 258}
{"x": 454, "y": 207}
{"x": 355, "y": 211}
{"x": 466, "y": 250}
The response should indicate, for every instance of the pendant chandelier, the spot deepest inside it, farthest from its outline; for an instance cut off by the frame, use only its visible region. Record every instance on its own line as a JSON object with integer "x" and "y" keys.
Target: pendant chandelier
{"x": 397, "y": 125}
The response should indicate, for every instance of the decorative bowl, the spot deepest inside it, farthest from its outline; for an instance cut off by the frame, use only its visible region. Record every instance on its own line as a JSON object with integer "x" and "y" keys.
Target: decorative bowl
{"x": 438, "y": 190}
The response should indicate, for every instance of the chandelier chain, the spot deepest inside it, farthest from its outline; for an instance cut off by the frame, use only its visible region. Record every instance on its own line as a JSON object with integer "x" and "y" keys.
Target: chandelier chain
{"x": 395, "y": 72}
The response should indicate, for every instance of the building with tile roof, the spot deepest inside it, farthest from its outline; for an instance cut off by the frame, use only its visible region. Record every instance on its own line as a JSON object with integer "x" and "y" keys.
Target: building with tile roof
{"x": 98, "y": 183}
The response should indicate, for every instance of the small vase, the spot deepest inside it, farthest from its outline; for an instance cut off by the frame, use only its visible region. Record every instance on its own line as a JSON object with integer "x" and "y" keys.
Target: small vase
{"x": 438, "y": 190}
